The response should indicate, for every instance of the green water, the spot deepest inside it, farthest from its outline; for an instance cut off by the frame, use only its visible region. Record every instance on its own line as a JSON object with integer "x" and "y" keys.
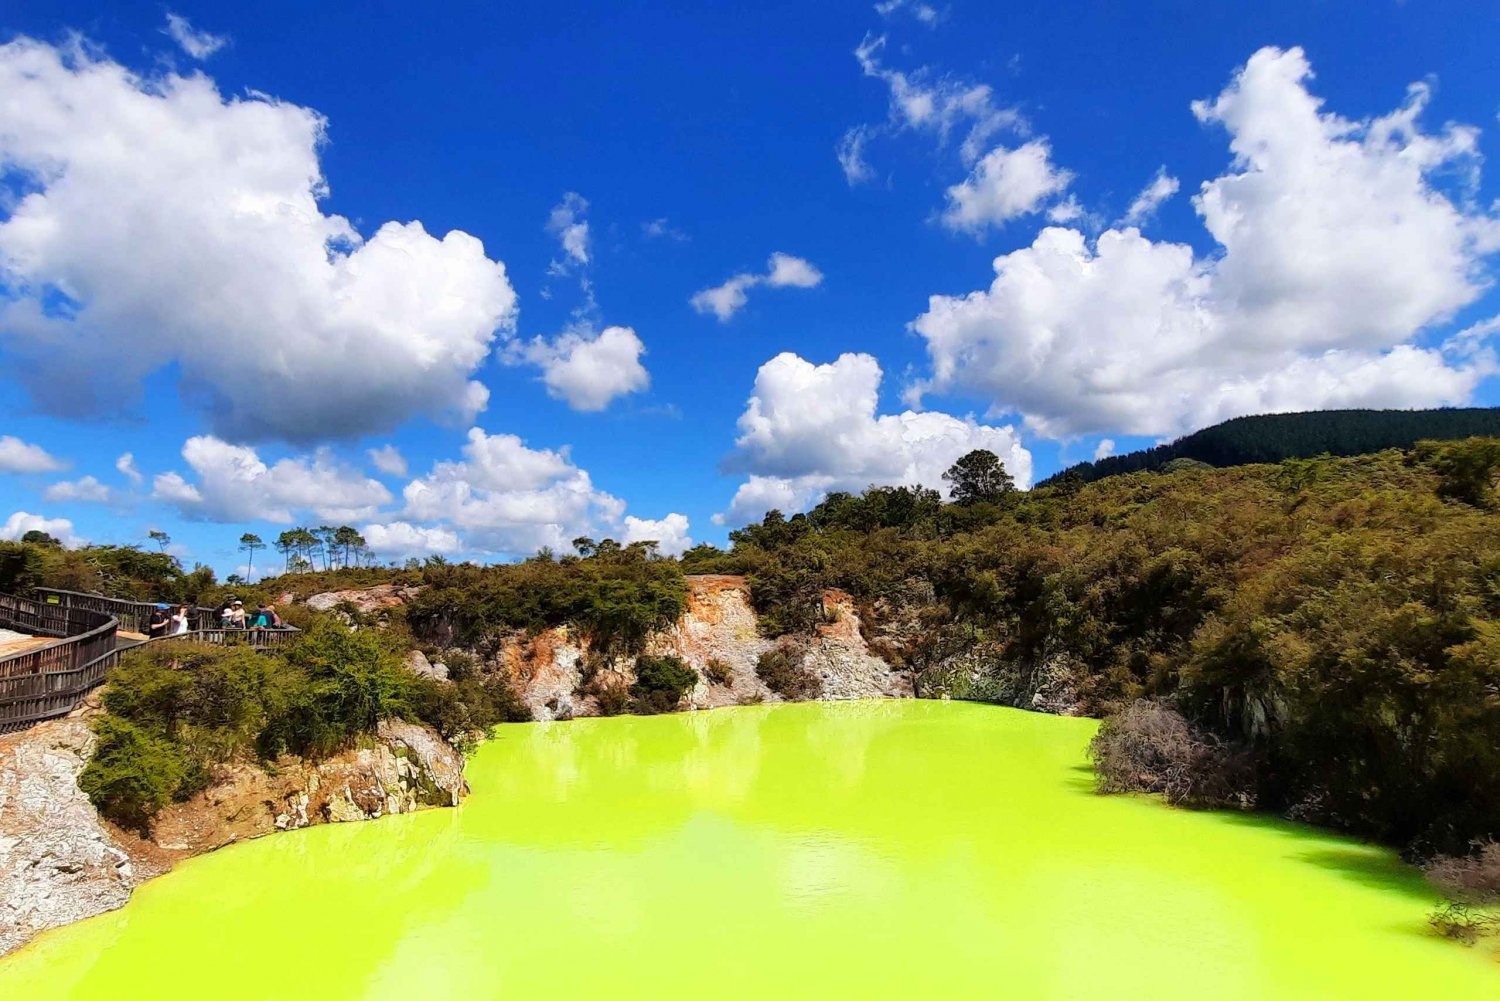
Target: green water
{"x": 879, "y": 849}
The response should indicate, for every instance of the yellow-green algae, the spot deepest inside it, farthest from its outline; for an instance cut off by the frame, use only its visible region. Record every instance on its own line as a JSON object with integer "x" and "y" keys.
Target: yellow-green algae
{"x": 876, "y": 849}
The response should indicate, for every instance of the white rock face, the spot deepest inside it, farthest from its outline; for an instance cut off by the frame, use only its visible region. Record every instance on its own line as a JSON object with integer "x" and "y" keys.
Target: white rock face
{"x": 58, "y": 863}
{"x": 417, "y": 663}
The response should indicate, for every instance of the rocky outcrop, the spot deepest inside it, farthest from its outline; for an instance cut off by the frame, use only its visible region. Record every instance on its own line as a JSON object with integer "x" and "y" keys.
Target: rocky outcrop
{"x": 59, "y": 862}
{"x": 408, "y": 767}
{"x": 364, "y": 600}
{"x": 418, "y": 664}
{"x": 838, "y": 656}
{"x": 558, "y": 676}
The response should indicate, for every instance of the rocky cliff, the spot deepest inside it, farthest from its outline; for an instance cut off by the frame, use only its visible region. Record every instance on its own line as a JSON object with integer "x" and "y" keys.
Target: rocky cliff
{"x": 59, "y": 862}
{"x": 559, "y": 676}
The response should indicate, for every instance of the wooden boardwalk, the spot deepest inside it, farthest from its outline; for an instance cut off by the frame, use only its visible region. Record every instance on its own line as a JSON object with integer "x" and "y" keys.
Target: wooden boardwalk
{"x": 71, "y": 640}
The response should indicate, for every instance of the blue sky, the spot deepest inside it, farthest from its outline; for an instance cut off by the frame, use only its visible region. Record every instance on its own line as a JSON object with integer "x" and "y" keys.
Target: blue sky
{"x": 175, "y": 283}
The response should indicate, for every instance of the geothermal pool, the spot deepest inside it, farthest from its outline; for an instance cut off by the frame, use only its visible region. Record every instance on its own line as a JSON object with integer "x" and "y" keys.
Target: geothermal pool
{"x": 872, "y": 849}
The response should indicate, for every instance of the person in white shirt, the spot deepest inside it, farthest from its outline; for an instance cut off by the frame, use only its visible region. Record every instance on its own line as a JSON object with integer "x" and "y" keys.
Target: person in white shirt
{"x": 180, "y": 621}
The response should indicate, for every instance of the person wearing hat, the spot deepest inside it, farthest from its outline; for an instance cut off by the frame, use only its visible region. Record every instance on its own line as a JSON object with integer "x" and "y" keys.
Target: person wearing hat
{"x": 237, "y": 615}
{"x": 158, "y": 623}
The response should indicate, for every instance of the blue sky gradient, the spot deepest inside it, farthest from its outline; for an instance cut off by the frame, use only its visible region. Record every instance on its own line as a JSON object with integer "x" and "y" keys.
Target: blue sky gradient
{"x": 720, "y": 125}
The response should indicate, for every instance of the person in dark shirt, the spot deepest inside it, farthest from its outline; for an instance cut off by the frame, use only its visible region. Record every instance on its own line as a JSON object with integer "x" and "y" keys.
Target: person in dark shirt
{"x": 158, "y": 623}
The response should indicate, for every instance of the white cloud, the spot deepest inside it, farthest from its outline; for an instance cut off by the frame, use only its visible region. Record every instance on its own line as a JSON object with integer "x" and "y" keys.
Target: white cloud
{"x": 506, "y": 498}
{"x": 1104, "y": 449}
{"x": 22, "y": 522}
{"x": 662, "y": 228}
{"x": 1336, "y": 251}
{"x": 198, "y": 44}
{"x": 233, "y": 484}
{"x": 388, "y": 460}
{"x": 402, "y": 539}
{"x": 86, "y": 489}
{"x": 782, "y": 271}
{"x": 939, "y": 105}
{"x": 1162, "y": 187}
{"x": 170, "y": 221}
{"x": 787, "y": 271}
{"x": 1005, "y": 184}
{"x": 588, "y": 370}
{"x": 16, "y": 456}
{"x": 851, "y": 154}
{"x": 725, "y": 300}
{"x": 925, "y": 13}
{"x": 669, "y": 533}
{"x": 569, "y": 226}
{"x": 808, "y": 429}
{"x": 126, "y": 465}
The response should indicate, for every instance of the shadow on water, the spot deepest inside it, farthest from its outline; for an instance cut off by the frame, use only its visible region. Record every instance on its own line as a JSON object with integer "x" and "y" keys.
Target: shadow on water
{"x": 1365, "y": 863}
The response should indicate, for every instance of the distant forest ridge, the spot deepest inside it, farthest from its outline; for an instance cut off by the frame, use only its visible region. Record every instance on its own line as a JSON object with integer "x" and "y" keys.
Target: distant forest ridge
{"x": 1274, "y": 437}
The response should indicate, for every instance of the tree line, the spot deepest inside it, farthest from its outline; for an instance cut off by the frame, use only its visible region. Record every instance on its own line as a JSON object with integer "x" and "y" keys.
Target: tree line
{"x": 302, "y": 549}
{"x": 1274, "y": 437}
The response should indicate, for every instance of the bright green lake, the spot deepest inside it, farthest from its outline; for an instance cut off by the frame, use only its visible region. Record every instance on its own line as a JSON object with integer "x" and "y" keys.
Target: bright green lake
{"x": 877, "y": 849}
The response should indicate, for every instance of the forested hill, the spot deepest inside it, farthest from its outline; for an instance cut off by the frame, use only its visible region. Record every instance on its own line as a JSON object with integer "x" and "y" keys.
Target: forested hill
{"x": 1274, "y": 437}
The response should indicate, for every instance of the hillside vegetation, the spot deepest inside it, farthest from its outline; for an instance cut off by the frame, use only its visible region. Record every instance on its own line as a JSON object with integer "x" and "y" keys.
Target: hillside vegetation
{"x": 1319, "y": 637}
{"x": 1274, "y": 437}
{"x": 1332, "y": 624}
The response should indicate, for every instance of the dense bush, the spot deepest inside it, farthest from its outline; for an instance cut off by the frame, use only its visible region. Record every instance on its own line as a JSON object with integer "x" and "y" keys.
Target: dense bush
{"x": 133, "y": 773}
{"x": 1338, "y": 616}
{"x": 616, "y": 596}
{"x": 1151, "y": 748}
{"x": 783, "y": 673}
{"x": 177, "y": 711}
{"x": 660, "y": 683}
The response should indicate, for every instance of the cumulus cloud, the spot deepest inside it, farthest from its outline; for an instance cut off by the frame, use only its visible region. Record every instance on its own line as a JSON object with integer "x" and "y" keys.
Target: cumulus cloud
{"x": 568, "y": 224}
{"x": 1162, "y": 187}
{"x": 388, "y": 460}
{"x": 506, "y": 498}
{"x": 402, "y": 539}
{"x": 22, "y": 522}
{"x": 669, "y": 533}
{"x": 782, "y": 271}
{"x": 155, "y": 221}
{"x": 17, "y": 456}
{"x": 127, "y": 468}
{"x": 1005, "y": 184}
{"x": 808, "y": 429}
{"x": 1336, "y": 251}
{"x": 86, "y": 489}
{"x": 587, "y": 370}
{"x": 1104, "y": 449}
{"x": 232, "y": 483}
{"x": 198, "y": 44}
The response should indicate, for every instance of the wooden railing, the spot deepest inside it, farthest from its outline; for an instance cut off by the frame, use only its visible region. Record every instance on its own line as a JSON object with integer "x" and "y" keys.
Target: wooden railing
{"x": 133, "y": 615}
{"x": 39, "y": 684}
{"x": 50, "y": 681}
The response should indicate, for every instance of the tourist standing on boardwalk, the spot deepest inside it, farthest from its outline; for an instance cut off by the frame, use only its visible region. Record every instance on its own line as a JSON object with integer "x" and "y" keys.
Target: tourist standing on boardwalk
{"x": 159, "y": 622}
{"x": 180, "y": 621}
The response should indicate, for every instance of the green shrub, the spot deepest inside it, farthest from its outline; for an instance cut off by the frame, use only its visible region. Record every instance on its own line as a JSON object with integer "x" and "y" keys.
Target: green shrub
{"x": 718, "y": 672}
{"x": 660, "y": 683}
{"x": 784, "y": 674}
{"x": 133, "y": 773}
